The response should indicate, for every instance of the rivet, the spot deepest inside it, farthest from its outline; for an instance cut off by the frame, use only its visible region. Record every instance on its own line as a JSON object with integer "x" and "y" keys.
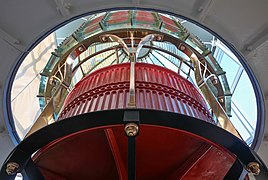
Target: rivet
{"x": 221, "y": 100}
{"x": 81, "y": 49}
{"x": 254, "y": 168}
{"x": 12, "y": 168}
{"x": 182, "y": 48}
{"x": 104, "y": 38}
{"x": 214, "y": 80}
{"x": 159, "y": 38}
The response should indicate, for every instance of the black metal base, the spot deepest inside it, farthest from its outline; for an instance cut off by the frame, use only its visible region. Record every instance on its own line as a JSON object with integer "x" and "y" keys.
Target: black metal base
{"x": 213, "y": 134}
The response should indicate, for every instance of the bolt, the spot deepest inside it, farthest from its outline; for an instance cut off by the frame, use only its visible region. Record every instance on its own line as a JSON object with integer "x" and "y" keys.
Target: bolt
{"x": 81, "y": 49}
{"x": 182, "y": 48}
{"x": 254, "y": 168}
{"x": 159, "y": 38}
{"x": 214, "y": 80}
{"x": 131, "y": 129}
{"x": 52, "y": 81}
{"x": 12, "y": 168}
{"x": 104, "y": 38}
{"x": 221, "y": 100}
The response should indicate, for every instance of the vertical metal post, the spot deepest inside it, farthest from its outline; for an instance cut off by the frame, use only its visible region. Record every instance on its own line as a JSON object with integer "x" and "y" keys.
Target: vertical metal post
{"x": 117, "y": 57}
{"x": 132, "y": 102}
{"x": 236, "y": 171}
{"x": 132, "y": 58}
{"x": 179, "y": 68}
{"x": 131, "y": 120}
{"x": 31, "y": 172}
{"x": 131, "y": 158}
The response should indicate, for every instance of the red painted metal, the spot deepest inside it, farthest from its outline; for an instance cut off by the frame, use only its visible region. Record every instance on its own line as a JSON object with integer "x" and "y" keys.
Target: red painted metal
{"x": 162, "y": 153}
{"x": 205, "y": 166}
{"x": 92, "y": 25}
{"x": 119, "y": 18}
{"x": 80, "y": 156}
{"x": 144, "y": 17}
{"x": 169, "y": 24}
{"x": 121, "y": 166}
{"x": 156, "y": 88}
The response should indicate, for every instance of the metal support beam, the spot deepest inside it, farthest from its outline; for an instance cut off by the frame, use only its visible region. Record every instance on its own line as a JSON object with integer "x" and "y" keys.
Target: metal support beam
{"x": 116, "y": 153}
{"x": 184, "y": 168}
{"x": 31, "y": 172}
{"x": 236, "y": 171}
{"x": 132, "y": 99}
{"x": 131, "y": 120}
{"x": 117, "y": 57}
{"x": 132, "y": 158}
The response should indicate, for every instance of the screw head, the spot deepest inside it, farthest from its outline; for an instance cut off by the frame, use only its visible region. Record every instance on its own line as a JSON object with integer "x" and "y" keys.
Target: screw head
{"x": 182, "y": 48}
{"x": 12, "y": 168}
{"x": 214, "y": 80}
{"x": 104, "y": 38}
{"x": 221, "y": 100}
{"x": 81, "y": 49}
{"x": 159, "y": 38}
{"x": 131, "y": 129}
{"x": 52, "y": 81}
{"x": 254, "y": 168}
